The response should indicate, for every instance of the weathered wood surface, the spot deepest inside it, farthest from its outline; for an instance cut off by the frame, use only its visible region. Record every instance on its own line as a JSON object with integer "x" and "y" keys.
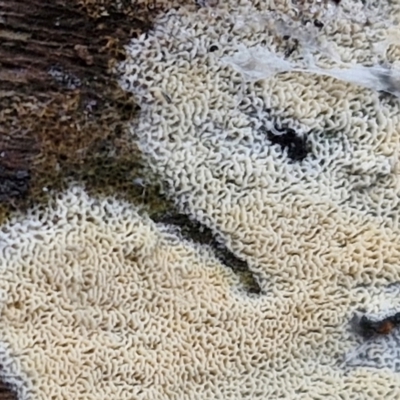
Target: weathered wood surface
{"x": 58, "y": 100}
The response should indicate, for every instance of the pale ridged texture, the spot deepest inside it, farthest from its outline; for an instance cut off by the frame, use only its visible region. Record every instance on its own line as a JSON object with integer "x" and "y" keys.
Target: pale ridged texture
{"x": 322, "y": 231}
{"x": 100, "y": 303}
{"x": 97, "y": 303}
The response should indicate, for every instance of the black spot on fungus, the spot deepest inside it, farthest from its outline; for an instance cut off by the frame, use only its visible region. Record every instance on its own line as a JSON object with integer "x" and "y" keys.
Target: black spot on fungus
{"x": 369, "y": 328}
{"x": 213, "y": 48}
{"x": 318, "y": 23}
{"x": 296, "y": 145}
{"x": 291, "y": 47}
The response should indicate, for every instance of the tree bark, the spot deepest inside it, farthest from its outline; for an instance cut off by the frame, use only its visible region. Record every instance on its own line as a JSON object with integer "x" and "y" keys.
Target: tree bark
{"x": 58, "y": 97}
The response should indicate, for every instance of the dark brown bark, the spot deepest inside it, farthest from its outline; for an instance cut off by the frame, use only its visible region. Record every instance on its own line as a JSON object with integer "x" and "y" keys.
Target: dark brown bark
{"x": 6, "y": 393}
{"x": 59, "y": 103}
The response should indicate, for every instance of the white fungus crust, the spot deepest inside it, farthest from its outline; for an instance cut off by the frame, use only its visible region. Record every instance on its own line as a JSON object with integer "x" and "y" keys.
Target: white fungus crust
{"x": 202, "y": 119}
{"x": 203, "y": 123}
{"x": 98, "y": 302}
{"x": 321, "y": 230}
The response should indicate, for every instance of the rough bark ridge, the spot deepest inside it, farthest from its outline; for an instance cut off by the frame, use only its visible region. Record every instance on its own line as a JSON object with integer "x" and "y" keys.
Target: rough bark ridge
{"x": 61, "y": 113}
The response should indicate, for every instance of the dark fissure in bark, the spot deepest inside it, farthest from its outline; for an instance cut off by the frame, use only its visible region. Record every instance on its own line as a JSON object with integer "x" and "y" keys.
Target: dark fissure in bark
{"x": 58, "y": 98}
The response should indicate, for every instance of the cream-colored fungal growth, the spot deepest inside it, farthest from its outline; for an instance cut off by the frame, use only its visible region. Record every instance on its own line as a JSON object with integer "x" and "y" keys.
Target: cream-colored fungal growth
{"x": 202, "y": 123}
{"x": 98, "y": 302}
{"x": 321, "y": 233}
